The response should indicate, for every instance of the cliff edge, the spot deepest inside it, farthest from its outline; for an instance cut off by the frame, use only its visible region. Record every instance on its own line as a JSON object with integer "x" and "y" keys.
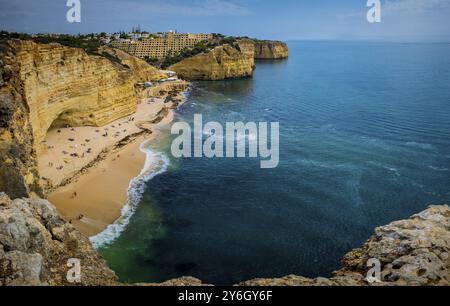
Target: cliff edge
{"x": 222, "y": 62}
{"x": 231, "y": 60}
{"x": 35, "y": 244}
{"x": 269, "y": 50}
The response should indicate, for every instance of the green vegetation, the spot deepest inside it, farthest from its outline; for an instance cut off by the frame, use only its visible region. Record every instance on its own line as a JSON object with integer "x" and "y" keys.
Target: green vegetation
{"x": 87, "y": 42}
{"x": 201, "y": 47}
{"x": 151, "y": 60}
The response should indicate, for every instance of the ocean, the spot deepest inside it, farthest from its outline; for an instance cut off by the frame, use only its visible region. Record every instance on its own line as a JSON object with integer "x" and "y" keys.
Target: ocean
{"x": 364, "y": 140}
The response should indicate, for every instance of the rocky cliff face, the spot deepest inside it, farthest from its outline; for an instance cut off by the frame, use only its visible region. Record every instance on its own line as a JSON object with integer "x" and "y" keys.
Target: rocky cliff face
{"x": 271, "y": 50}
{"x": 18, "y": 168}
{"x": 35, "y": 244}
{"x": 227, "y": 61}
{"x": 223, "y": 62}
{"x": 49, "y": 85}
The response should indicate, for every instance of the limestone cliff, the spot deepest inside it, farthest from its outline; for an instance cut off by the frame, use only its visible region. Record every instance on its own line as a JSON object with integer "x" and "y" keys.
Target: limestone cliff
{"x": 36, "y": 244}
{"x": 267, "y": 49}
{"x": 222, "y": 62}
{"x": 18, "y": 168}
{"x": 50, "y": 85}
{"x": 230, "y": 61}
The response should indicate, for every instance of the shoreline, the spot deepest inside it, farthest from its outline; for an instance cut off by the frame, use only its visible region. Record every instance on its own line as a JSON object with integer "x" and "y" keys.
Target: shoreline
{"x": 93, "y": 197}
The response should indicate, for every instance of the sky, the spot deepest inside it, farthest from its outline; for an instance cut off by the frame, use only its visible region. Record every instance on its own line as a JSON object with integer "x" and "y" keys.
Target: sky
{"x": 401, "y": 20}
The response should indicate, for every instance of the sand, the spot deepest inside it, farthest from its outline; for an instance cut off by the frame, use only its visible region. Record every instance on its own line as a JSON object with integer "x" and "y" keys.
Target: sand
{"x": 101, "y": 192}
{"x": 90, "y": 189}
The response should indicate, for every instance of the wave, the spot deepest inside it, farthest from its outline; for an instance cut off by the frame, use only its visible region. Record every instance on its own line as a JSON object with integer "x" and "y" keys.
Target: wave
{"x": 440, "y": 169}
{"x": 156, "y": 163}
{"x": 424, "y": 146}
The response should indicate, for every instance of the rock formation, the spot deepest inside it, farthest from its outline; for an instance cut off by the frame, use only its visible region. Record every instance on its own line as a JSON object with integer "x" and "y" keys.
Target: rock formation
{"x": 141, "y": 70}
{"x": 230, "y": 61}
{"x": 18, "y": 168}
{"x": 222, "y": 62}
{"x": 50, "y": 85}
{"x": 413, "y": 252}
{"x": 36, "y": 244}
{"x": 266, "y": 49}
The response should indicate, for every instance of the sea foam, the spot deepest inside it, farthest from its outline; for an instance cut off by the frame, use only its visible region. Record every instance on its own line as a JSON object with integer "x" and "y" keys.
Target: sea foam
{"x": 156, "y": 163}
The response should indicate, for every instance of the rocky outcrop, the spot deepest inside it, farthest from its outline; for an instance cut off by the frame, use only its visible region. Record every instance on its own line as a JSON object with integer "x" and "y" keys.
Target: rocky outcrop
{"x": 36, "y": 245}
{"x": 230, "y": 61}
{"x": 223, "y": 62}
{"x": 50, "y": 85}
{"x": 267, "y": 49}
{"x": 413, "y": 252}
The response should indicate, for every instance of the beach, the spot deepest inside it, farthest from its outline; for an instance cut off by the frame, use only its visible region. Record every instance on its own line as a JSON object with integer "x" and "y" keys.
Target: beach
{"x": 87, "y": 170}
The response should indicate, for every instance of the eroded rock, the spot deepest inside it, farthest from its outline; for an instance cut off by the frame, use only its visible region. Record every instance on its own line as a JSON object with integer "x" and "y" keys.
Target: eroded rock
{"x": 36, "y": 244}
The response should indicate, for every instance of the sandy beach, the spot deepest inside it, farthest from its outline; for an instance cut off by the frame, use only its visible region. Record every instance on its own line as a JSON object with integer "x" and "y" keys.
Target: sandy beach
{"x": 87, "y": 170}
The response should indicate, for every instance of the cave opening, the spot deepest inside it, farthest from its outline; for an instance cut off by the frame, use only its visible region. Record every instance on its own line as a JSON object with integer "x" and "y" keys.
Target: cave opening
{"x": 64, "y": 120}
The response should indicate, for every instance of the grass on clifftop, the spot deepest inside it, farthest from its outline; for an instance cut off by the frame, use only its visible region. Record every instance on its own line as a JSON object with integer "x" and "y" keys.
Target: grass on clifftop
{"x": 88, "y": 43}
{"x": 201, "y": 47}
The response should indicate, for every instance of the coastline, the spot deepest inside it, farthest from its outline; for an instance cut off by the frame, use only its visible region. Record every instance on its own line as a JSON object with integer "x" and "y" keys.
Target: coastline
{"x": 107, "y": 179}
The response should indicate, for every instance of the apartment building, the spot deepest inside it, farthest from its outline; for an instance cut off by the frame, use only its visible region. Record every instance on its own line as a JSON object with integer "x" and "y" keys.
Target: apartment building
{"x": 160, "y": 47}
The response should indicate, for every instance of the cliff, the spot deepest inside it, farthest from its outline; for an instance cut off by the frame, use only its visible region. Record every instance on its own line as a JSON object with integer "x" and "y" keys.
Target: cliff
{"x": 35, "y": 244}
{"x": 266, "y": 49}
{"x": 227, "y": 61}
{"x": 222, "y": 62}
{"x": 50, "y": 85}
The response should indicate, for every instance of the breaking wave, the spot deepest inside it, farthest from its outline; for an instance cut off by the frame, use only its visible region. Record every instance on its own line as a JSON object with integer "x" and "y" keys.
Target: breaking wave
{"x": 156, "y": 163}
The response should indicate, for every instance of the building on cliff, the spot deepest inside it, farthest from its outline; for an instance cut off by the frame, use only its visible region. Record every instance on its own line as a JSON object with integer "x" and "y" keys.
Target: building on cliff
{"x": 160, "y": 47}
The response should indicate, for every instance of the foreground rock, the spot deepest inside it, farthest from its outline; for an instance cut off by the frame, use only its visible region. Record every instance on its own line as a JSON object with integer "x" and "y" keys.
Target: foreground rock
{"x": 412, "y": 252}
{"x": 36, "y": 244}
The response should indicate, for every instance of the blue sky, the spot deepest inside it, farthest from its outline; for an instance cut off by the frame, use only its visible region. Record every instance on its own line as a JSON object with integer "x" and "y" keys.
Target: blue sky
{"x": 402, "y": 20}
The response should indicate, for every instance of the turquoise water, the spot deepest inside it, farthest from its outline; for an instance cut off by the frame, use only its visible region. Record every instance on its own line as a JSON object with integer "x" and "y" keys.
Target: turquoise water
{"x": 364, "y": 140}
